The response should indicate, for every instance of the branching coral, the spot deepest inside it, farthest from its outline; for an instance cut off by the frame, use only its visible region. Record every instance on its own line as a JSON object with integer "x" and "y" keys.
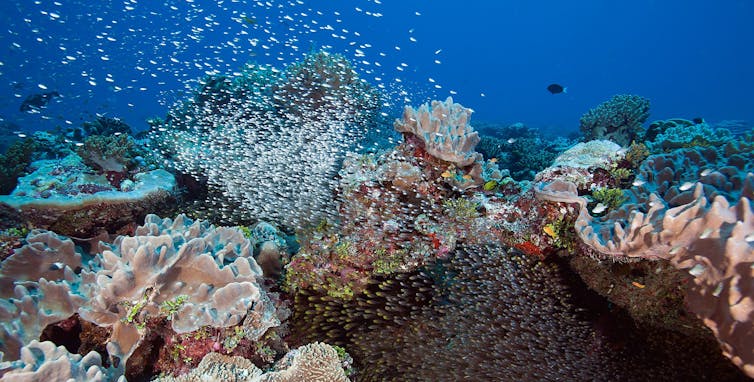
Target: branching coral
{"x": 618, "y": 119}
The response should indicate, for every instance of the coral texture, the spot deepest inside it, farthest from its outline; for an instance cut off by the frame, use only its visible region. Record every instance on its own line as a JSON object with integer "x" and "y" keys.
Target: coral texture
{"x": 35, "y": 283}
{"x": 692, "y": 207}
{"x": 207, "y": 274}
{"x": 618, "y": 119}
{"x": 43, "y": 361}
{"x": 271, "y": 142}
{"x": 316, "y": 362}
{"x": 445, "y": 130}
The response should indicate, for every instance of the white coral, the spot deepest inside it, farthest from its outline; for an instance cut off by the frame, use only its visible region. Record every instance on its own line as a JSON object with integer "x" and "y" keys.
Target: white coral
{"x": 445, "y": 130}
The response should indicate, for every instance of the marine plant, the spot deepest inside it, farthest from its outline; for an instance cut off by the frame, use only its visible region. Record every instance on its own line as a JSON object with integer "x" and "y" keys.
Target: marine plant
{"x": 611, "y": 198}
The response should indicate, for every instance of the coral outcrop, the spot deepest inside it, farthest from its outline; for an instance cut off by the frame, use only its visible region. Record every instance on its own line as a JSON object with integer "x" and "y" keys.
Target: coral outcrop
{"x": 43, "y": 361}
{"x": 692, "y": 207}
{"x": 444, "y": 129}
{"x": 197, "y": 274}
{"x": 618, "y": 119}
{"x": 316, "y": 362}
{"x": 62, "y": 195}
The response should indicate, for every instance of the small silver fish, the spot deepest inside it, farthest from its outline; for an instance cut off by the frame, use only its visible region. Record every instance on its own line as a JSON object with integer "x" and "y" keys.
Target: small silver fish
{"x": 599, "y": 208}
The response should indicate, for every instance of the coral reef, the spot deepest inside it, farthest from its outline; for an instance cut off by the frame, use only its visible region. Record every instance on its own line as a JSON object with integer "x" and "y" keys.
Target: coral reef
{"x": 263, "y": 159}
{"x": 520, "y": 149}
{"x": 43, "y": 361}
{"x": 194, "y": 273}
{"x": 63, "y": 196}
{"x": 692, "y": 207}
{"x": 108, "y": 153}
{"x": 443, "y": 128}
{"x": 618, "y": 119}
{"x": 586, "y": 164}
{"x": 678, "y": 133}
{"x": 314, "y": 362}
{"x": 13, "y": 164}
{"x": 485, "y": 314}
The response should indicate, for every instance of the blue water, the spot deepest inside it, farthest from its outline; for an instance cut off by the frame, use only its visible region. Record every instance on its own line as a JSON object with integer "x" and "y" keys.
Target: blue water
{"x": 691, "y": 58}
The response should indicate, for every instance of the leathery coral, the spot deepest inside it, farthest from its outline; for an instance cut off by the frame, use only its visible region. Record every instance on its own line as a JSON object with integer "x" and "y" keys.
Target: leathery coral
{"x": 444, "y": 129}
{"x": 693, "y": 225}
{"x": 315, "y": 362}
{"x": 205, "y": 276}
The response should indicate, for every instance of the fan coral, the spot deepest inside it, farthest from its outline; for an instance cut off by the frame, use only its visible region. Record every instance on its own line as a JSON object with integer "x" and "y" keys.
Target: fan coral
{"x": 618, "y": 119}
{"x": 444, "y": 129}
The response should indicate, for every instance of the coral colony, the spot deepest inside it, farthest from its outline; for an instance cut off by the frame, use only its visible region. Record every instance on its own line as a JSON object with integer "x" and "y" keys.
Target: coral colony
{"x": 253, "y": 235}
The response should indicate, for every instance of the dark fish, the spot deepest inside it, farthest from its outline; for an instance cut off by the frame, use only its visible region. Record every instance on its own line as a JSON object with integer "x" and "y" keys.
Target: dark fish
{"x": 557, "y": 89}
{"x": 37, "y": 101}
{"x": 698, "y": 120}
{"x": 249, "y": 20}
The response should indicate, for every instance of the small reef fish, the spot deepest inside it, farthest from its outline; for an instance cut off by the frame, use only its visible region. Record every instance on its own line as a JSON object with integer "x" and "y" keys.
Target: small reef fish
{"x": 557, "y": 89}
{"x": 35, "y": 102}
{"x": 599, "y": 208}
{"x": 686, "y": 186}
{"x": 511, "y": 141}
